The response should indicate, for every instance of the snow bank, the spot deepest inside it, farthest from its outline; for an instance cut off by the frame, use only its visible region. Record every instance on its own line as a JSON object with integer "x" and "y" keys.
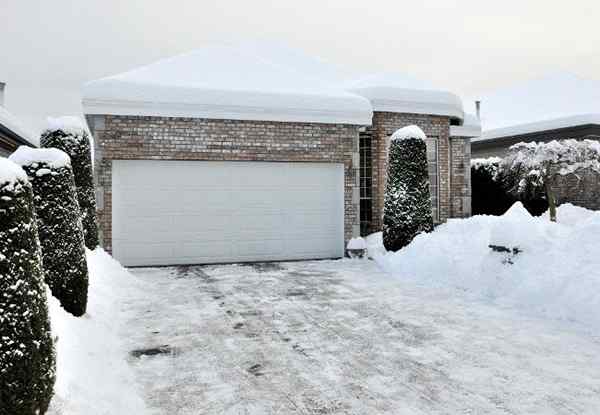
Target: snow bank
{"x": 410, "y": 131}
{"x": 555, "y": 275}
{"x": 10, "y": 173}
{"x": 93, "y": 376}
{"x": 54, "y": 158}
{"x": 68, "y": 124}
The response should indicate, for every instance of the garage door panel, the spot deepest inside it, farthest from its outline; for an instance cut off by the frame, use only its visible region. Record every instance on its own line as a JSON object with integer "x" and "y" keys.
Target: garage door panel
{"x": 183, "y": 212}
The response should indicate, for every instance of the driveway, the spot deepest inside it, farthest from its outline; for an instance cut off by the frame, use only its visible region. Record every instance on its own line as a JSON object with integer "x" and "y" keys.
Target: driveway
{"x": 341, "y": 337}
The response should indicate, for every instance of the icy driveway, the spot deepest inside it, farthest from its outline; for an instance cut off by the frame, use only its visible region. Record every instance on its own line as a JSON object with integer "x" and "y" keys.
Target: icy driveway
{"x": 340, "y": 337}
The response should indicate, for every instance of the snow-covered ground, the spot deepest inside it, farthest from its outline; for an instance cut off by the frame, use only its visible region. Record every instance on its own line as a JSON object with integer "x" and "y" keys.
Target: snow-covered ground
{"x": 557, "y": 274}
{"x": 93, "y": 377}
{"x": 451, "y": 328}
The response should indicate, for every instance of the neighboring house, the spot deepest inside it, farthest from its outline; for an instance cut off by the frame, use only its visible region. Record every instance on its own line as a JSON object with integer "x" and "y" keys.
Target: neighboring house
{"x": 12, "y": 134}
{"x": 556, "y": 107}
{"x": 258, "y": 153}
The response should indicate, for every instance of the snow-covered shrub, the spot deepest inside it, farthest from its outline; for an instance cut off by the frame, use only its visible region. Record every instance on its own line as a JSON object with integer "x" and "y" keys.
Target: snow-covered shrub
{"x": 407, "y": 206}
{"x": 27, "y": 359}
{"x": 69, "y": 135}
{"x": 59, "y": 224}
{"x": 488, "y": 195}
{"x": 532, "y": 168}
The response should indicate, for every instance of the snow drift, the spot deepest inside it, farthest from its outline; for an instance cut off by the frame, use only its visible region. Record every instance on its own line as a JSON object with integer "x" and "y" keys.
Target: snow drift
{"x": 557, "y": 273}
{"x": 93, "y": 376}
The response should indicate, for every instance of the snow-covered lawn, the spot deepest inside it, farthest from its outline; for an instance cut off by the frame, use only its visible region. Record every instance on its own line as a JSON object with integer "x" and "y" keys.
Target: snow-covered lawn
{"x": 347, "y": 337}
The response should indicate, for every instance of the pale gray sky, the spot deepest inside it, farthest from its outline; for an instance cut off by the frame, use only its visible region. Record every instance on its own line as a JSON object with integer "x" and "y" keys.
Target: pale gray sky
{"x": 50, "y": 47}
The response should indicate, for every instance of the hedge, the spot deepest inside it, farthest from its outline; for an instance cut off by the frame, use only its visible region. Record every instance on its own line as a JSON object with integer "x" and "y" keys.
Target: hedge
{"x": 407, "y": 204}
{"x": 27, "y": 357}
{"x": 59, "y": 225}
{"x": 67, "y": 134}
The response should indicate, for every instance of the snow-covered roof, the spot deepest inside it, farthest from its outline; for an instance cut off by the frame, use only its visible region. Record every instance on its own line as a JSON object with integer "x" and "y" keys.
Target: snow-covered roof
{"x": 410, "y": 131}
{"x": 471, "y": 128}
{"x": 53, "y": 157}
{"x": 259, "y": 81}
{"x": 556, "y": 101}
{"x": 391, "y": 92}
{"x": 11, "y": 122}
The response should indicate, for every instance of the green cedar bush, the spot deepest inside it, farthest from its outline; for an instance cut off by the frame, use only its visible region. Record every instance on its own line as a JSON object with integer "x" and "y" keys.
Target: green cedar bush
{"x": 67, "y": 134}
{"x": 59, "y": 225}
{"x": 407, "y": 204}
{"x": 27, "y": 357}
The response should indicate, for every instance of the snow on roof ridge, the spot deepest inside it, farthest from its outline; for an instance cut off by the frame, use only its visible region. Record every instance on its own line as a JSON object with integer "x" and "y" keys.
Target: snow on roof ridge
{"x": 11, "y": 173}
{"x": 53, "y": 157}
{"x": 13, "y": 124}
{"x": 410, "y": 131}
{"x": 68, "y": 124}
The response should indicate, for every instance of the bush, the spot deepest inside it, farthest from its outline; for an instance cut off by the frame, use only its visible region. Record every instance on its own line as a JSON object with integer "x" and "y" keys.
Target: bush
{"x": 490, "y": 195}
{"x": 59, "y": 224}
{"x": 407, "y": 206}
{"x": 67, "y": 134}
{"x": 27, "y": 359}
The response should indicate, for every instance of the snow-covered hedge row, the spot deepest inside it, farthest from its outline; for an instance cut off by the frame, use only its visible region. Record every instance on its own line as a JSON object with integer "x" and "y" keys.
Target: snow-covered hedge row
{"x": 489, "y": 195}
{"x": 407, "y": 205}
{"x": 69, "y": 135}
{"x": 531, "y": 169}
{"x": 27, "y": 360}
{"x": 59, "y": 224}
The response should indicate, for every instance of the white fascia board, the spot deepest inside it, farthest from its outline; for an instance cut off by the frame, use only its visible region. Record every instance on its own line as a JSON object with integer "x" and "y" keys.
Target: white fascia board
{"x": 540, "y": 126}
{"x": 224, "y": 112}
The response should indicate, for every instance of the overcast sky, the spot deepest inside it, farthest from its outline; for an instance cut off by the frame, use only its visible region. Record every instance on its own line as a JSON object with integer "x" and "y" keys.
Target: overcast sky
{"x": 50, "y": 47}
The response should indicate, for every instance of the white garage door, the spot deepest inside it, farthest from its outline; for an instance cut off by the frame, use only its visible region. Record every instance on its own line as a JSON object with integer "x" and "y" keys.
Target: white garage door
{"x": 194, "y": 212}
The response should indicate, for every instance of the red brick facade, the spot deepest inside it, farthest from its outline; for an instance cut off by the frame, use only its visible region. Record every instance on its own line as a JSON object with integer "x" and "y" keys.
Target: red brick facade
{"x": 450, "y": 180}
{"x": 140, "y": 137}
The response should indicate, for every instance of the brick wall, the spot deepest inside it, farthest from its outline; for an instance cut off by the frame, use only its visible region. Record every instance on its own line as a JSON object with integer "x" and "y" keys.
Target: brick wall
{"x": 460, "y": 177}
{"x": 384, "y": 125}
{"x": 582, "y": 189}
{"x": 137, "y": 137}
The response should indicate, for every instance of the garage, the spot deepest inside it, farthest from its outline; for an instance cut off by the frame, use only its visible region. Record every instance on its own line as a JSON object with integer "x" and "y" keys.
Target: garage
{"x": 167, "y": 212}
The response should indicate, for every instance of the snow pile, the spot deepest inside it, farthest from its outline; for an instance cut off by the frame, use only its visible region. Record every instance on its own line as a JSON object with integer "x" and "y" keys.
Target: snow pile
{"x": 52, "y": 157}
{"x": 357, "y": 243}
{"x": 93, "y": 376}
{"x": 556, "y": 274}
{"x": 68, "y": 124}
{"x": 375, "y": 245}
{"x": 10, "y": 173}
{"x": 410, "y": 131}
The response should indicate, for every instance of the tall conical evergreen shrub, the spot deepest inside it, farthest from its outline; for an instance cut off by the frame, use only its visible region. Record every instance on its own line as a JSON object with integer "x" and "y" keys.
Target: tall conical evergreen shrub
{"x": 69, "y": 135}
{"x": 27, "y": 359}
{"x": 407, "y": 205}
{"x": 59, "y": 224}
